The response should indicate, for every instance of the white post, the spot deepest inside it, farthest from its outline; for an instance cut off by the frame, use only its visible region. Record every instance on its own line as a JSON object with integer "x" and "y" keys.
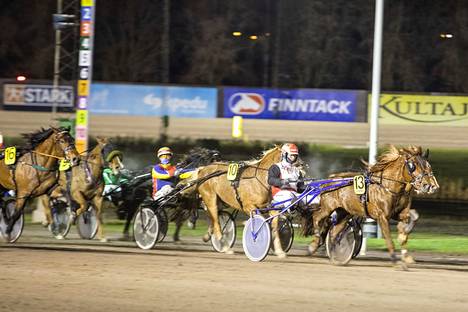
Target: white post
{"x": 376, "y": 77}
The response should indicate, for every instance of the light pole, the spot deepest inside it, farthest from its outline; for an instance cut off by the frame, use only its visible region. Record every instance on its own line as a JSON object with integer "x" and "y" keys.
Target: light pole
{"x": 58, "y": 35}
{"x": 60, "y": 21}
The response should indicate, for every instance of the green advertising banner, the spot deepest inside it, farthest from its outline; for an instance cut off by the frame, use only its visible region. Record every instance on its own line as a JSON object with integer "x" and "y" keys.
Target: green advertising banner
{"x": 422, "y": 109}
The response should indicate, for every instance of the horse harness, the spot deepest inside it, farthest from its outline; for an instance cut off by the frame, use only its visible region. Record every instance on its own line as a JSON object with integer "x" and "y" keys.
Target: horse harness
{"x": 234, "y": 175}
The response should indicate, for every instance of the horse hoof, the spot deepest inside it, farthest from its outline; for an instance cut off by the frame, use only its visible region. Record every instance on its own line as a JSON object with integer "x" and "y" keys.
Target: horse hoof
{"x": 59, "y": 236}
{"x": 409, "y": 260}
{"x": 45, "y": 223}
{"x": 206, "y": 238}
{"x": 229, "y": 252}
{"x": 311, "y": 250}
{"x": 190, "y": 225}
{"x": 178, "y": 242}
{"x": 400, "y": 265}
{"x": 281, "y": 255}
{"x": 103, "y": 240}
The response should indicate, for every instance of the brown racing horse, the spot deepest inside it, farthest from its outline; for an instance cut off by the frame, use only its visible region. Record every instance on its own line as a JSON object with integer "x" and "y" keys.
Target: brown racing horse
{"x": 391, "y": 181}
{"x": 86, "y": 185}
{"x": 35, "y": 171}
{"x": 253, "y": 192}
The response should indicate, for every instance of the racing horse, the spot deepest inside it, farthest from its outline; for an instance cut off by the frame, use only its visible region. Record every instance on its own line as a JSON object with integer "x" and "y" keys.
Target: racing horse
{"x": 391, "y": 182}
{"x": 252, "y": 192}
{"x": 35, "y": 170}
{"x": 189, "y": 202}
{"x": 84, "y": 185}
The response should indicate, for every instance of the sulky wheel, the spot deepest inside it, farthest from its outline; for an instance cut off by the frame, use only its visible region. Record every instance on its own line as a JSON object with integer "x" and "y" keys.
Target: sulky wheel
{"x": 341, "y": 250}
{"x": 257, "y": 238}
{"x": 87, "y": 223}
{"x": 61, "y": 220}
{"x": 163, "y": 224}
{"x": 146, "y": 228}
{"x": 6, "y": 213}
{"x": 228, "y": 229}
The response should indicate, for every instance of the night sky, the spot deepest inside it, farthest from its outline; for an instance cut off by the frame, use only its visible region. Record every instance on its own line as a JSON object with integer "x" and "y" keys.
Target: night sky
{"x": 299, "y": 43}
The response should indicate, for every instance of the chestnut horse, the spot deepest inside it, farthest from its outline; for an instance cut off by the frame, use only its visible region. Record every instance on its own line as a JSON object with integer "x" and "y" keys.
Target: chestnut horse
{"x": 253, "y": 192}
{"x": 391, "y": 182}
{"x": 35, "y": 171}
{"x": 86, "y": 185}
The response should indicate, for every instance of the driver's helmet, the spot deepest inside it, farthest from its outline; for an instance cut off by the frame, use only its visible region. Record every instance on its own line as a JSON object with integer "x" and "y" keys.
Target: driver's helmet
{"x": 289, "y": 152}
{"x": 165, "y": 151}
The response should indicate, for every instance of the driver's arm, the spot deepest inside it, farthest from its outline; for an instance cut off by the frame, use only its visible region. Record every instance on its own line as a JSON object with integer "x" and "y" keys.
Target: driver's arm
{"x": 274, "y": 176}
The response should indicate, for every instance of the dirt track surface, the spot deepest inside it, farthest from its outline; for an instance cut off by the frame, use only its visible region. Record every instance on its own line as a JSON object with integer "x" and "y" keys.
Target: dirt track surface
{"x": 41, "y": 274}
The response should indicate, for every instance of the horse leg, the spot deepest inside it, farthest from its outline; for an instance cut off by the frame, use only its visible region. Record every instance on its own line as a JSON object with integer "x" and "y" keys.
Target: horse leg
{"x": 408, "y": 218}
{"x": 275, "y": 233}
{"x": 97, "y": 202}
{"x": 318, "y": 220}
{"x": 130, "y": 207}
{"x": 206, "y": 238}
{"x": 211, "y": 202}
{"x": 178, "y": 223}
{"x": 385, "y": 227}
{"x": 47, "y": 210}
{"x": 20, "y": 202}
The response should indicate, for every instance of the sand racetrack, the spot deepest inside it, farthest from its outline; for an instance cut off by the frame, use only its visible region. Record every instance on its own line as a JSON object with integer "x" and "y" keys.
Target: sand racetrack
{"x": 66, "y": 277}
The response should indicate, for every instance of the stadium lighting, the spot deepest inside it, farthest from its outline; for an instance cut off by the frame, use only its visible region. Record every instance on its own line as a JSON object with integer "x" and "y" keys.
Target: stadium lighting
{"x": 253, "y": 37}
{"x": 446, "y": 36}
{"x": 20, "y": 78}
{"x": 236, "y": 33}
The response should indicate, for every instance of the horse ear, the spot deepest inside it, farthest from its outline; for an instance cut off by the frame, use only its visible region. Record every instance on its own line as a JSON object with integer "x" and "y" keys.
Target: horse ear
{"x": 101, "y": 140}
{"x": 426, "y": 154}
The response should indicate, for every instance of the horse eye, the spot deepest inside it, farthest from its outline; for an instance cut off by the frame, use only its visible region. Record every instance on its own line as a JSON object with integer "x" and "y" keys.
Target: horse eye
{"x": 411, "y": 166}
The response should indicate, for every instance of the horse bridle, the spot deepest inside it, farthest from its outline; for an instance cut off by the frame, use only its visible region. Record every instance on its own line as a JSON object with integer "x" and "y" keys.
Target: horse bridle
{"x": 411, "y": 168}
{"x": 409, "y": 165}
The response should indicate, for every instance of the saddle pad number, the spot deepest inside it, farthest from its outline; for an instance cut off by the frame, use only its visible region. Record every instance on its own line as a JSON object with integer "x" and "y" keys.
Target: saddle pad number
{"x": 359, "y": 183}
{"x": 232, "y": 171}
{"x": 64, "y": 165}
{"x": 10, "y": 155}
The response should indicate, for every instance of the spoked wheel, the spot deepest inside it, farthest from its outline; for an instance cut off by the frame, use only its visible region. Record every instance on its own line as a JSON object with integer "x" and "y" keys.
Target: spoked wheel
{"x": 146, "y": 228}
{"x": 257, "y": 238}
{"x": 61, "y": 220}
{"x": 87, "y": 224}
{"x": 228, "y": 229}
{"x": 286, "y": 233}
{"x": 163, "y": 224}
{"x": 341, "y": 251}
{"x": 7, "y": 212}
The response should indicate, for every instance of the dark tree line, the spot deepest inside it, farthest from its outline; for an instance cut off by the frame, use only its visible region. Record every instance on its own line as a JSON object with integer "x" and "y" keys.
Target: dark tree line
{"x": 300, "y": 43}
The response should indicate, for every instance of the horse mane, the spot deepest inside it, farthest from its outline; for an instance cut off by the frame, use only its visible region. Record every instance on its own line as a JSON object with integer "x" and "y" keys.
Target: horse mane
{"x": 198, "y": 157}
{"x": 264, "y": 155}
{"x": 35, "y": 138}
{"x": 393, "y": 154}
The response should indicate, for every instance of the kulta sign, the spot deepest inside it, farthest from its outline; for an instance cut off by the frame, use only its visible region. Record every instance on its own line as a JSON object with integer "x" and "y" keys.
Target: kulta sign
{"x": 423, "y": 109}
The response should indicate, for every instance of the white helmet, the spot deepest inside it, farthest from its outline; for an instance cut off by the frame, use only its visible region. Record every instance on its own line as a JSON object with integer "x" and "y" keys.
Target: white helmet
{"x": 289, "y": 149}
{"x": 164, "y": 151}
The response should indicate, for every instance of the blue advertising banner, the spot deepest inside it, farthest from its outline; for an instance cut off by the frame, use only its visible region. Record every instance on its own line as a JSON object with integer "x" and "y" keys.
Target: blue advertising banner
{"x": 124, "y": 99}
{"x": 297, "y": 104}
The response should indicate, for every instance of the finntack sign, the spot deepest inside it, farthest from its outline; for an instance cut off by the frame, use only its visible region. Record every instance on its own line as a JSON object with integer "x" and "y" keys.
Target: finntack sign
{"x": 297, "y": 104}
{"x": 37, "y": 95}
{"x": 423, "y": 109}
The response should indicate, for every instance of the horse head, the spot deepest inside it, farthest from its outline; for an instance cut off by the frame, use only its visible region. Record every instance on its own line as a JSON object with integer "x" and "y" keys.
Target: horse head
{"x": 66, "y": 143}
{"x": 419, "y": 170}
